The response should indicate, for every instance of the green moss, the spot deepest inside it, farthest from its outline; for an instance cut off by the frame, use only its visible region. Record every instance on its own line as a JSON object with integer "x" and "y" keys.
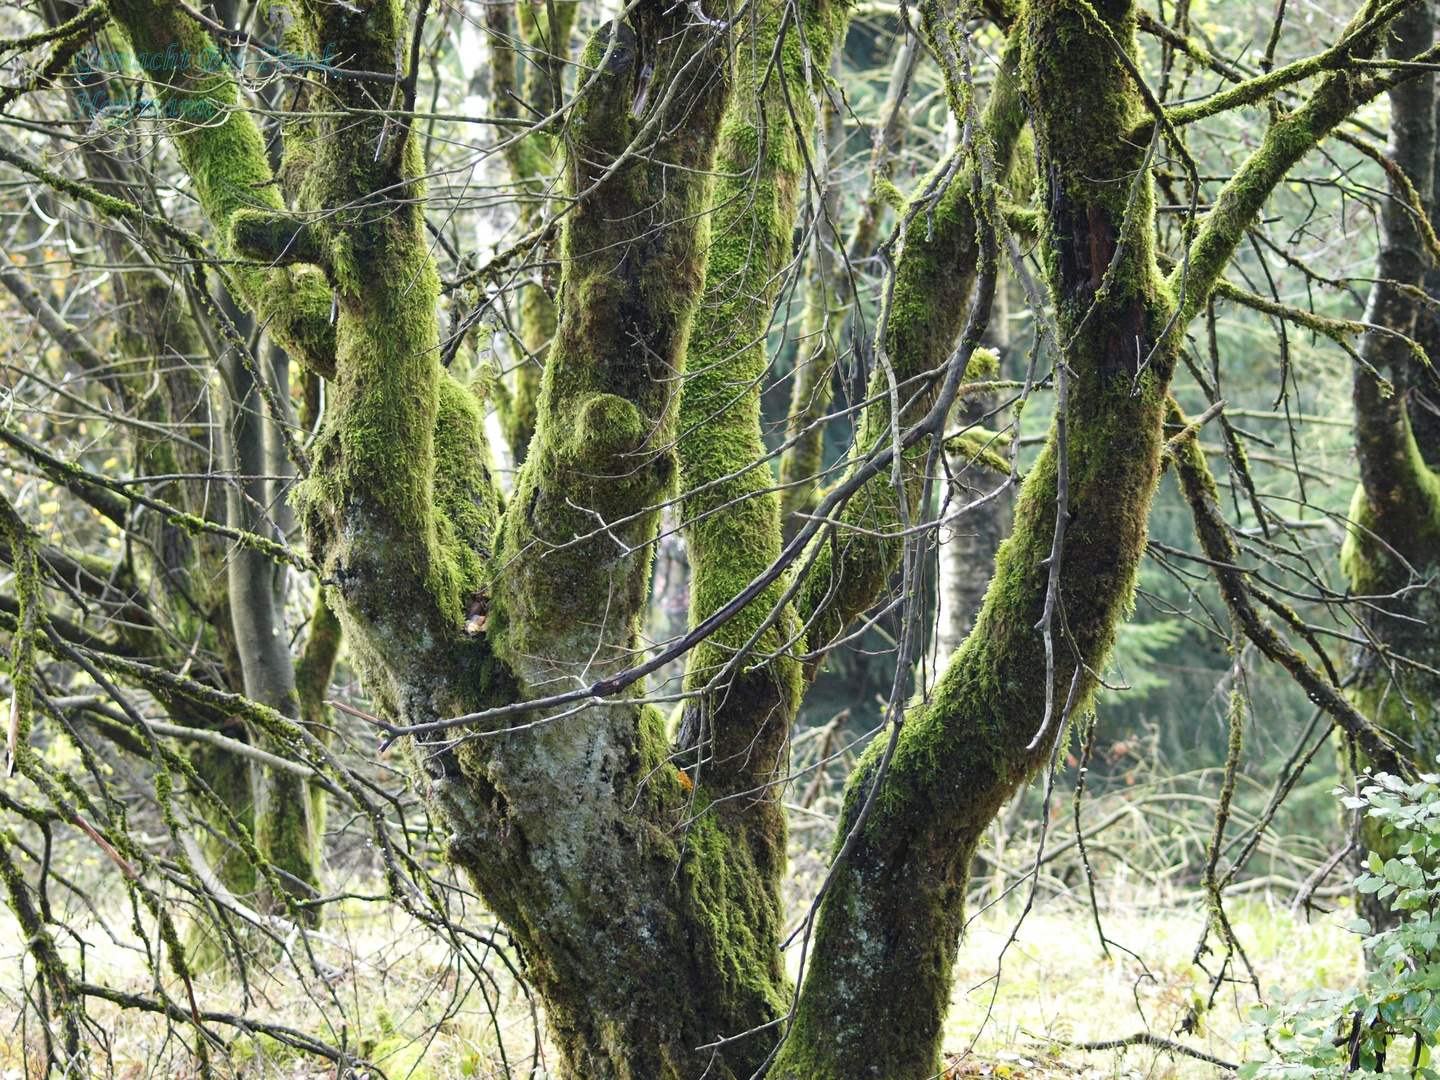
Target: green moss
{"x": 735, "y": 737}
{"x": 467, "y": 501}
{"x": 600, "y": 455}
{"x": 313, "y": 672}
{"x": 934, "y": 276}
{"x": 228, "y": 166}
{"x": 1392, "y": 544}
{"x": 887, "y": 934}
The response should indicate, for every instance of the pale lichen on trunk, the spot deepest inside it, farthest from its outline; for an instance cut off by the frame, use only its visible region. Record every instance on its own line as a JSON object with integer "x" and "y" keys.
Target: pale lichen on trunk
{"x": 641, "y": 937}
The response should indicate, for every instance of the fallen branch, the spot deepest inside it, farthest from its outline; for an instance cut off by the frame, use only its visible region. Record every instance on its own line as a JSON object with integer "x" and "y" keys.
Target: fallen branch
{"x": 1144, "y": 1038}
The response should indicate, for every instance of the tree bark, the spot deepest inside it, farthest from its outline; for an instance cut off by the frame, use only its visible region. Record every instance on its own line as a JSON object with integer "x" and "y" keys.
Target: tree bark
{"x": 530, "y": 161}
{"x": 646, "y": 900}
{"x": 1392, "y": 547}
{"x": 874, "y": 1000}
{"x": 734, "y": 737}
{"x": 252, "y": 453}
{"x": 967, "y": 554}
{"x": 887, "y": 932}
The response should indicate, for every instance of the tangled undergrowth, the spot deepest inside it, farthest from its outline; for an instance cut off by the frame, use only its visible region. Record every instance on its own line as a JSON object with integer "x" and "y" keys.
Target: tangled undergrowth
{"x": 1023, "y": 1009}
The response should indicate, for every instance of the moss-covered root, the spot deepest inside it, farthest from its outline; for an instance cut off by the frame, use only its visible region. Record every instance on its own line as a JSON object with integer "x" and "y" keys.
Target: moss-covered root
{"x": 874, "y": 1001}
{"x": 933, "y": 279}
{"x": 731, "y": 511}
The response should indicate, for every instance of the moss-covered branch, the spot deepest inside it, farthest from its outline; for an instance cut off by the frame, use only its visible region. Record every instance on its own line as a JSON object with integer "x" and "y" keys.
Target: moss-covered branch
{"x": 1358, "y": 41}
{"x": 224, "y": 154}
{"x": 1218, "y": 545}
{"x": 888, "y": 929}
{"x": 739, "y": 732}
{"x": 923, "y": 315}
{"x": 1288, "y": 139}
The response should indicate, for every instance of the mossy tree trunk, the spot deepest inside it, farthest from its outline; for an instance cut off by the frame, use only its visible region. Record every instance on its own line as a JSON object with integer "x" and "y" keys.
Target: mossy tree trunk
{"x": 888, "y": 930}
{"x": 531, "y": 162}
{"x": 646, "y": 900}
{"x": 734, "y": 738}
{"x": 1392, "y": 547}
{"x": 878, "y": 990}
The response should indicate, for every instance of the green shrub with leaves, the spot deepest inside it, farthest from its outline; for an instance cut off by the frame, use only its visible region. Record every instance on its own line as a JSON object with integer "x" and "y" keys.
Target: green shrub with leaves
{"x": 1387, "y": 1025}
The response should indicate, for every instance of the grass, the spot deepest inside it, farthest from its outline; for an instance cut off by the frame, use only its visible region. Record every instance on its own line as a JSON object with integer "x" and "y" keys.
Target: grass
{"x": 1057, "y": 987}
{"x": 390, "y": 990}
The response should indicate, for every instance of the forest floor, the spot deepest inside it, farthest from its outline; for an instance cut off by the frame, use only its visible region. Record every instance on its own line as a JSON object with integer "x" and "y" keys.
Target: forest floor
{"x": 408, "y": 1009}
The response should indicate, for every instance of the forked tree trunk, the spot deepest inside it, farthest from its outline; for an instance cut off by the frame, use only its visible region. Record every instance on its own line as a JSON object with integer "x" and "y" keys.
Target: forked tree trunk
{"x": 646, "y": 903}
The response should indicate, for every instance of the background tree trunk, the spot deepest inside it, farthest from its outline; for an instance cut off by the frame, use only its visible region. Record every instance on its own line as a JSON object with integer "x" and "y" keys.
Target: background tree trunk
{"x": 1392, "y": 549}
{"x": 257, "y": 585}
{"x": 966, "y": 556}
